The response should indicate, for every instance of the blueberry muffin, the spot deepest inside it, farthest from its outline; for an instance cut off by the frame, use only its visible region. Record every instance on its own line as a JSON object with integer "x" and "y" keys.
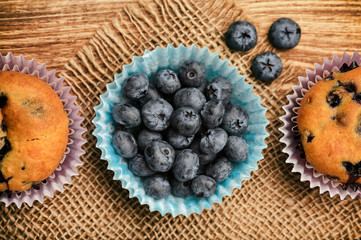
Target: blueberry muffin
{"x": 329, "y": 122}
{"x": 34, "y": 131}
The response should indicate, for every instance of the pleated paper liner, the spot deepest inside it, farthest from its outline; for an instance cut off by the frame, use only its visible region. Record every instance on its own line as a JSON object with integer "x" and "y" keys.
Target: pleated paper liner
{"x": 290, "y": 129}
{"x": 172, "y": 58}
{"x": 70, "y": 161}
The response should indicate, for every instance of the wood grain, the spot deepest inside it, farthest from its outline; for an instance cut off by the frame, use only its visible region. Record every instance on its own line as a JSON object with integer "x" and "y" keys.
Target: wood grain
{"x": 53, "y": 31}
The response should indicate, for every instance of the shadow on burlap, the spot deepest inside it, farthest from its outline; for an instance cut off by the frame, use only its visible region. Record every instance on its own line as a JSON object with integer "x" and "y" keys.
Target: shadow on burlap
{"x": 273, "y": 204}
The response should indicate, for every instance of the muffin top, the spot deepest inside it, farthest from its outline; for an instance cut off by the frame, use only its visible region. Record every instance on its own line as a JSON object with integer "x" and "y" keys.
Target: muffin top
{"x": 329, "y": 122}
{"x": 34, "y": 131}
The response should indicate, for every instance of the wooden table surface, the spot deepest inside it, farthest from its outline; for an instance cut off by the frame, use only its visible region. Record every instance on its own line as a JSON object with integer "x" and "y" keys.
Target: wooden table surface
{"x": 53, "y": 31}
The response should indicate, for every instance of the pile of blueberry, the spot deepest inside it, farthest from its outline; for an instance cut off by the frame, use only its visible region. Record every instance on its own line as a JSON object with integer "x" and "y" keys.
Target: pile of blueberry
{"x": 283, "y": 34}
{"x": 180, "y": 134}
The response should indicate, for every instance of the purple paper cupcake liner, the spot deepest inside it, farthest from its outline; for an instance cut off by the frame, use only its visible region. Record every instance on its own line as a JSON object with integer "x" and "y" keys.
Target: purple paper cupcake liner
{"x": 290, "y": 129}
{"x": 71, "y": 159}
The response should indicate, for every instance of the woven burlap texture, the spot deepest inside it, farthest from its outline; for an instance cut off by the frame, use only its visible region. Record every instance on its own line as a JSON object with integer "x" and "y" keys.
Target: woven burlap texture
{"x": 273, "y": 204}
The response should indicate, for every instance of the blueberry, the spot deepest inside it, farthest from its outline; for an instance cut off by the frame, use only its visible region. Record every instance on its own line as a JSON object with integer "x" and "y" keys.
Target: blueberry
{"x": 334, "y": 98}
{"x": 156, "y": 114}
{"x": 159, "y": 156}
{"x": 125, "y": 144}
{"x": 181, "y": 189}
{"x": 220, "y": 88}
{"x": 138, "y": 166}
{"x": 241, "y": 36}
{"x": 189, "y": 97}
{"x": 266, "y": 66}
{"x": 352, "y": 169}
{"x": 203, "y": 186}
{"x": 146, "y": 136}
{"x": 152, "y": 94}
{"x": 213, "y": 141}
{"x": 212, "y": 113}
{"x": 186, "y": 165}
{"x": 235, "y": 120}
{"x": 157, "y": 186}
{"x": 284, "y": 33}
{"x": 220, "y": 169}
{"x": 192, "y": 74}
{"x": 186, "y": 121}
{"x": 236, "y": 149}
{"x": 136, "y": 86}
{"x": 126, "y": 115}
{"x": 167, "y": 81}
{"x": 177, "y": 140}
{"x": 203, "y": 158}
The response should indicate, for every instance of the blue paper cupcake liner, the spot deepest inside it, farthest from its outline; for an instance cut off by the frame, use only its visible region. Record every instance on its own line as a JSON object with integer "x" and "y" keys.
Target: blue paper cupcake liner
{"x": 170, "y": 57}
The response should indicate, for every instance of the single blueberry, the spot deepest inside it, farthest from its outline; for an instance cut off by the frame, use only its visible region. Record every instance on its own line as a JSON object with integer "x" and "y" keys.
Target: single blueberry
{"x": 186, "y": 165}
{"x": 220, "y": 169}
{"x": 136, "y": 86}
{"x": 152, "y": 94}
{"x": 159, "y": 156}
{"x": 241, "y": 36}
{"x": 236, "y": 149}
{"x": 284, "y": 33}
{"x": 212, "y": 113}
{"x": 186, "y": 121}
{"x": 125, "y": 144}
{"x": 334, "y": 98}
{"x": 204, "y": 159}
{"x": 235, "y": 120}
{"x": 167, "y": 81}
{"x": 126, "y": 115}
{"x": 138, "y": 166}
{"x": 146, "y": 136}
{"x": 189, "y": 97}
{"x": 157, "y": 186}
{"x": 156, "y": 114}
{"x": 266, "y": 66}
{"x": 181, "y": 189}
{"x": 192, "y": 74}
{"x": 177, "y": 140}
{"x": 213, "y": 141}
{"x": 203, "y": 186}
{"x": 221, "y": 89}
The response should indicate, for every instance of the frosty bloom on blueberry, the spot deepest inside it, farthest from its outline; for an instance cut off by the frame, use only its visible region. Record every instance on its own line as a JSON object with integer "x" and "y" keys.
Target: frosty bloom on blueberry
{"x": 220, "y": 88}
{"x": 127, "y": 115}
{"x": 125, "y": 144}
{"x": 241, "y": 36}
{"x": 284, "y": 33}
{"x": 267, "y": 66}
{"x": 192, "y": 74}
{"x": 159, "y": 155}
{"x": 156, "y": 114}
{"x": 189, "y": 97}
{"x": 186, "y": 121}
{"x": 136, "y": 86}
{"x": 167, "y": 81}
{"x": 235, "y": 120}
{"x": 157, "y": 186}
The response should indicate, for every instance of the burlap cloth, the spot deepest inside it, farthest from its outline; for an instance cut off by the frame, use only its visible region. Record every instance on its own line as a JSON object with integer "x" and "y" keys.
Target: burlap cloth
{"x": 273, "y": 204}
